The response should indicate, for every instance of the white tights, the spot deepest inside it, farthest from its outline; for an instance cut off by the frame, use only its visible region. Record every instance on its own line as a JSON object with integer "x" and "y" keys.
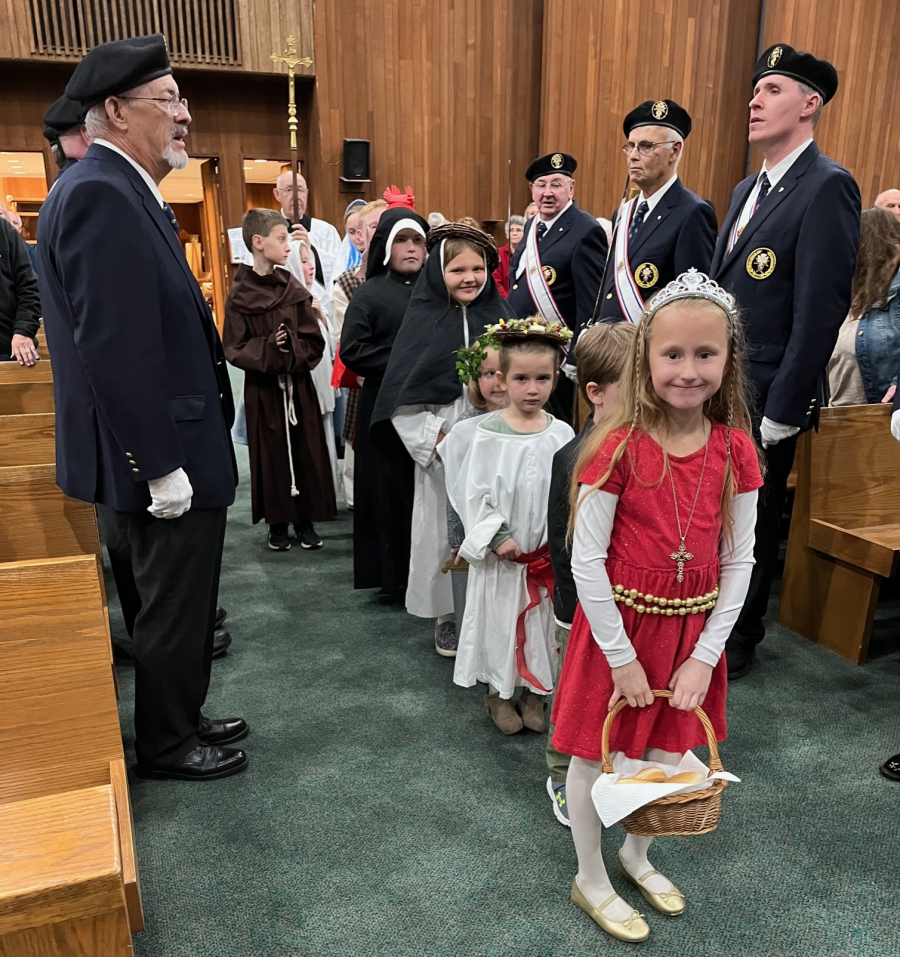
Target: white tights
{"x": 586, "y": 827}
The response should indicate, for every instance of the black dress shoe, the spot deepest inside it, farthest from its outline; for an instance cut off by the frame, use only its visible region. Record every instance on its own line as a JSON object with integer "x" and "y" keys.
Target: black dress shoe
{"x": 739, "y": 662}
{"x": 386, "y": 597}
{"x": 891, "y": 768}
{"x": 221, "y": 615}
{"x": 222, "y": 730}
{"x": 204, "y": 763}
{"x": 221, "y": 642}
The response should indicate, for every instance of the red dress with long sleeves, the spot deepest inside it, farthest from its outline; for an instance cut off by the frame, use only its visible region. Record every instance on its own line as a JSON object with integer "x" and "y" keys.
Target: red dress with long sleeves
{"x": 644, "y": 535}
{"x": 501, "y": 273}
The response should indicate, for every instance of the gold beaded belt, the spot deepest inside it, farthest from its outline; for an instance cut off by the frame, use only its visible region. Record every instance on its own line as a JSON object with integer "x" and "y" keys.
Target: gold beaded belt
{"x": 655, "y": 605}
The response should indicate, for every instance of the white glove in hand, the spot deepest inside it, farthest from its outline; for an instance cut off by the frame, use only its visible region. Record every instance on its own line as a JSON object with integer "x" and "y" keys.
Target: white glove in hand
{"x": 171, "y": 495}
{"x": 570, "y": 372}
{"x": 774, "y": 432}
{"x": 895, "y": 425}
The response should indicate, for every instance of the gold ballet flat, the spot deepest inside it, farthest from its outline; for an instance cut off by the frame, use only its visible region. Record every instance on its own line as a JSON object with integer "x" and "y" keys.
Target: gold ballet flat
{"x": 632, "y": 930}
{"x": 670, "y": 903}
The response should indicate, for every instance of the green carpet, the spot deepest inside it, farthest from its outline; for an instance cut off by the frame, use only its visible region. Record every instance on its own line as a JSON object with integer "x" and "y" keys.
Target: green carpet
{"x": 383, "y": 814}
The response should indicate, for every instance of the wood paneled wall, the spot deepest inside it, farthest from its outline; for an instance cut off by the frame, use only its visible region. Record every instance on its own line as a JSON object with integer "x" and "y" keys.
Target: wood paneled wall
{"x": 601, "y": 59}
{"x": 447, "y": 93}
{"x": 860, "y": 128}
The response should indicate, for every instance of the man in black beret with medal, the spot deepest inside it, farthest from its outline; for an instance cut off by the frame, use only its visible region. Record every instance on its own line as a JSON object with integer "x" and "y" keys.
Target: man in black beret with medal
{"x": 558, "y": 265}
{"x": 664, "y": 230}
{"x": 788, "y": 252}
{"x": 143, "y": 401}
{"x": 64, "y": 130}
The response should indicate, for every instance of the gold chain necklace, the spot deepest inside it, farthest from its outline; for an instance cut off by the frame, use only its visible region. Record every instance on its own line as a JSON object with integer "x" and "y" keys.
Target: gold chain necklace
{"x": 682, "y": 555}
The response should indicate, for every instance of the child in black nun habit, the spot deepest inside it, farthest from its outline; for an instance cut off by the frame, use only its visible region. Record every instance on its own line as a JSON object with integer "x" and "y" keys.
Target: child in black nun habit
{"x": 422, "y": 398}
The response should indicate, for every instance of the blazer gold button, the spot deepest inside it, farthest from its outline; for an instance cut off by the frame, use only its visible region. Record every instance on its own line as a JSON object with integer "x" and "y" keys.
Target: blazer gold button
{"x": 220, "y": 395}
{"x": 516, "y": 286}
{"x": 609, "y": 295}
{"x": 135, "y": 470}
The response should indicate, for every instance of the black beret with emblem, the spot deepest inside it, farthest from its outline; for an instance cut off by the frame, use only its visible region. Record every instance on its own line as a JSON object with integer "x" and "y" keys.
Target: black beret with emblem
{"x": 784, "y": 60}
{"x": 550, "y": 164}
{"x": 118, "y": 66}
{"x": 659, "y": 113}
{"x": 61, "y": 117}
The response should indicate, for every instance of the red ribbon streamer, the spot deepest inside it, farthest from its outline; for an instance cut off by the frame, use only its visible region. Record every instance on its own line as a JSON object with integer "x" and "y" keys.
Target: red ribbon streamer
{"x": 538, "y": 573}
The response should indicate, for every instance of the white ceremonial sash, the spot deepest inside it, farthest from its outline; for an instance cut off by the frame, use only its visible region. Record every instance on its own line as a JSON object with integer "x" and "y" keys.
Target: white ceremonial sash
{"x": 537, "y": 282}
{"x": 630, "y": 299}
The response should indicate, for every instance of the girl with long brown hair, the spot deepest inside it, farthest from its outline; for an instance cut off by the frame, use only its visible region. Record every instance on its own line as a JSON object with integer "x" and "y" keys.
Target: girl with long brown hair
{"x": 664, "y": 508}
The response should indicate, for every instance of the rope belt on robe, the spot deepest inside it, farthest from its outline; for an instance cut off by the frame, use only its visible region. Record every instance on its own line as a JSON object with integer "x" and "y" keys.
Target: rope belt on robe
{"x": 538, "y": 574}
{"x": 286, "y": 382}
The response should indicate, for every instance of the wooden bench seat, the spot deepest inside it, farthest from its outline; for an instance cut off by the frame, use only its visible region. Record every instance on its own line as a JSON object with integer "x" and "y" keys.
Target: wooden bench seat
{"x": 60, "y": 726}
{"x": 845, "y": 528}
{"x": 27, "y": 439}
{"x": 62, "y": 888}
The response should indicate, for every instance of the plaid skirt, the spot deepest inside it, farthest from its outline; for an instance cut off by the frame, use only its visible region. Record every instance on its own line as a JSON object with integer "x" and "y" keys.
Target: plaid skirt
{"x": 349, "y": 431}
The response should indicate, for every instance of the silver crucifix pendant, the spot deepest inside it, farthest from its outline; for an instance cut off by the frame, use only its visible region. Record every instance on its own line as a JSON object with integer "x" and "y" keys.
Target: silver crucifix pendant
{"x": 681, "y": 556}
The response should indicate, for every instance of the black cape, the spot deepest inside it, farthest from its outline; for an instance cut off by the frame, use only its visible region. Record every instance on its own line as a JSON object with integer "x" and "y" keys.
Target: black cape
{"x": 422, "y": 367}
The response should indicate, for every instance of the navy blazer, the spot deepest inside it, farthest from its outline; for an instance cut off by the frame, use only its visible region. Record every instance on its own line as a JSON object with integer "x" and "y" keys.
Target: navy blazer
{"x": 575, "y": 249}
{"x": 678, "y": 234}
{"x": 139, "y": 375}
{"x": 791, "y": 271}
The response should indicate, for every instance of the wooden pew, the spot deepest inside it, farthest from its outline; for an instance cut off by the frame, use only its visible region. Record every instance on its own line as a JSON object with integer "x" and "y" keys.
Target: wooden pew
{"x": 60, "y": 729}
{"x": 845, "y": 528}
{"x": 26, "y": 390}
{"x": 27, "y": 439}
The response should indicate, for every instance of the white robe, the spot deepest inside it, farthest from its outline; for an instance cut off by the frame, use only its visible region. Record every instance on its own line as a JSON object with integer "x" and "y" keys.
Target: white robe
{"x": 429, "y": 593}
{"x": 505, "y": 480}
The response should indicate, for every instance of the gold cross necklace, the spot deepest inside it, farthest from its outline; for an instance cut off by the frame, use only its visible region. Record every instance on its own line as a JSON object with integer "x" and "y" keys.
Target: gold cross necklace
{"x": 682, "y": 555}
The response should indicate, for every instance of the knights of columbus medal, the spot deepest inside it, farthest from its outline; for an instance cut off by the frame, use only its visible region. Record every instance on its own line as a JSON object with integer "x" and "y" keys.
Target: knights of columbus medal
{"x": 646, "y": 275}
{"x": 556, "y": 161}
{"x": 761, "y": 263}
{"x": 660, "y": 110}
{"x": 774, "y": 57}
{"x": 549, "y": 274}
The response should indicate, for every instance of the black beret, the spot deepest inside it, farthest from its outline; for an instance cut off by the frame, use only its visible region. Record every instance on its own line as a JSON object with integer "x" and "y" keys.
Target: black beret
{"x": 659, "y": 113}
{"x": 118, "y": 66}
{"x": 803, "y": 67}
{"x": 550, "y": 164}
{"x": 61, "y": 117}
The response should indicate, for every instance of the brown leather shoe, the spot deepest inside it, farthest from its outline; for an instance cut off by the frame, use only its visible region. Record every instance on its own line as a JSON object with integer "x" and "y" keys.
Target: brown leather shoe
{"x": 502, "y": 713}
{"x": 531, "y": 707}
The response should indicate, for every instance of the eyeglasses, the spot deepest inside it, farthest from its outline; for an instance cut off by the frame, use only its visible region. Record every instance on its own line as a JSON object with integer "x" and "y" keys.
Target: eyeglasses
{"x": 645, "y": 148}
{"x": 555, "y": 184}
{"x": 173, "y": 103}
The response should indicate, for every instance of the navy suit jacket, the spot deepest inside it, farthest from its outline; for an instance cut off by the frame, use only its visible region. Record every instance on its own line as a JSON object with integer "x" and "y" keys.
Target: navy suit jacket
{"x": 678, "y": 234}
{"x": 810, "y": 222}
{"x": 575, "y": 248}
{"x": 139, "y": 375}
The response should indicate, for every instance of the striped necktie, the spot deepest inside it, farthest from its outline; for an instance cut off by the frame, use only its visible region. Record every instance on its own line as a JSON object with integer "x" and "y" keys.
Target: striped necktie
{"x": 638, "y": 219}
{"x": 541, "y": 229}
{"x": 764, "y": 187}
{"x": 173, "y": 222}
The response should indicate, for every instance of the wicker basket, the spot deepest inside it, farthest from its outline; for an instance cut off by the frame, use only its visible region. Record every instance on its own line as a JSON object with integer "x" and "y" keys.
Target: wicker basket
{"x": 695, "y": 812}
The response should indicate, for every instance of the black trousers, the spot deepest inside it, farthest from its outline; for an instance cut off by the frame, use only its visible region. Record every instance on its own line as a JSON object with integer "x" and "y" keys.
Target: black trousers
{"x": 749, "y": 629}
{"x": 175, "y": 566}
{"x": 562, "y": 400}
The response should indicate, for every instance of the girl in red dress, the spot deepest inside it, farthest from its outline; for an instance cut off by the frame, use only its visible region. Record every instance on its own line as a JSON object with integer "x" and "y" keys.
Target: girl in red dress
{"x": 664, "y": 508}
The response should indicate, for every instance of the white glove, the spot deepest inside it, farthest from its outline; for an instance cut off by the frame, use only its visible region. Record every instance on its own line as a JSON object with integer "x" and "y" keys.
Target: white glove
{"x": 571, "y": 372}
{"x": 171, "y": 495}
{"x": 895, "y": 425}
{"x": 774, "y": 432}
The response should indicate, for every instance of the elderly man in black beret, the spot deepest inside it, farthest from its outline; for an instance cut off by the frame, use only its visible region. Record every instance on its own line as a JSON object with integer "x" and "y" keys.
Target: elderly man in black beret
{"x": 64, "y": 130}
{"x": 143, "y": 401}
{"x": 787, "y": 251}
{"x": 664, "y": 230}
{"x": 558, "y": 265}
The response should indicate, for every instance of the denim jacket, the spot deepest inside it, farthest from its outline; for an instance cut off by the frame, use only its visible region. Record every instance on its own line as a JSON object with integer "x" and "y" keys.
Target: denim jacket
{"x": 878, "y": 345}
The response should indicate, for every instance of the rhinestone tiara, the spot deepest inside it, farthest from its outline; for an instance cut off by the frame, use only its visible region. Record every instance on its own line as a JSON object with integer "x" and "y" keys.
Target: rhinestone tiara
{"x": 692, "y": 284}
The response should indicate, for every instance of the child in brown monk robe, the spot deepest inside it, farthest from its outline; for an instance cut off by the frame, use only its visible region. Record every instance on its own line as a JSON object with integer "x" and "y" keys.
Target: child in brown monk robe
{"x": 272, "y": 333}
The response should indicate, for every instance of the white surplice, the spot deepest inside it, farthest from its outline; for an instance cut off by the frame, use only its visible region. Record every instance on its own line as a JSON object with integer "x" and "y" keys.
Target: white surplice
{"x": 504, "y": 482}
{"x": 429, "y": 593}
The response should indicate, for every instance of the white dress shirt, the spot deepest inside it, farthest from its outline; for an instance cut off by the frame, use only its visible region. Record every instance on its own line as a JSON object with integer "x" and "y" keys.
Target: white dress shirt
{"x": 776, "y": 173}
{"x": 549, "y": 223}
{"x": 651, "y": 201}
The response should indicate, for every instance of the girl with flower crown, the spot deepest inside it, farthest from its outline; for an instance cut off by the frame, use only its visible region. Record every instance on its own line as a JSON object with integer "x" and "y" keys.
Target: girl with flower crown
{"x": 500, "y": 491}
{"x": 664, "y": 507}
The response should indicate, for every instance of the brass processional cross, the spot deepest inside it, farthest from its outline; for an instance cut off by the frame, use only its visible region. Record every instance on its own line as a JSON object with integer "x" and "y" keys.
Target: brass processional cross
{"x": 292, "y": 60}
{"x": 681, "y": 556}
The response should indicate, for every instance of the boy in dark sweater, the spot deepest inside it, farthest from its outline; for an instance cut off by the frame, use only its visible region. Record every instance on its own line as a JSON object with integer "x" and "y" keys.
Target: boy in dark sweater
{"x": 601, "y": 354}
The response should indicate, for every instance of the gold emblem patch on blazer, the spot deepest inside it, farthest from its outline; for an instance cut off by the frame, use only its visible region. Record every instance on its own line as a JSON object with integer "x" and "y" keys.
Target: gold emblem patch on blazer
{"x": 660, "y": 110}
{"x": 549, "y": 274}
{"x": 774, "y": 57}
{"x": 646, "y": 275}
{"x": 556, "y": 161}
{"x": 761, "y": 263}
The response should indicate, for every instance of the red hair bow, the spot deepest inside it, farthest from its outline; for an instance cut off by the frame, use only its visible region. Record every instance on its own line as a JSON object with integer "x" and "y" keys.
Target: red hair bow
{"x": 397, "y": 200}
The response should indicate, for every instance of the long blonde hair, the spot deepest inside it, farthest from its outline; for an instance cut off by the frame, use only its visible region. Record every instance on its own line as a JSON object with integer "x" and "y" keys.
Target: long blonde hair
{"x": 638, "y": 407}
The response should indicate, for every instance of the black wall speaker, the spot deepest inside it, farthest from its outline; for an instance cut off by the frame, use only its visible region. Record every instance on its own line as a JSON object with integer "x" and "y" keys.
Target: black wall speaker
{"x": 356, "y": 160}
